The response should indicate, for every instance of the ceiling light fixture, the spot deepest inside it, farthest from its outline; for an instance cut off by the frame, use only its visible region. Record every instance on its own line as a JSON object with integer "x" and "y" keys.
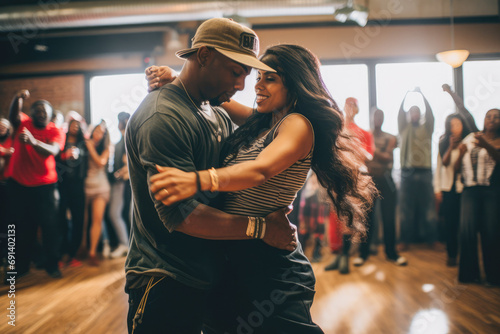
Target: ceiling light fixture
{"x": 454, "y": 58}
{"x": 352, "y": 12}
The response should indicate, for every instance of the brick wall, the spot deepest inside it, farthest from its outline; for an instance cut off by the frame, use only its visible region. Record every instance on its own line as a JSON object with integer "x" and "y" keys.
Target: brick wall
{"x": 65, "y": 92}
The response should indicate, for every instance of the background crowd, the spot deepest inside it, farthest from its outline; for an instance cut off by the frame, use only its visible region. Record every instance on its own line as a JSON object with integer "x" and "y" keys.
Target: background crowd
{"x": 66, "y": 190}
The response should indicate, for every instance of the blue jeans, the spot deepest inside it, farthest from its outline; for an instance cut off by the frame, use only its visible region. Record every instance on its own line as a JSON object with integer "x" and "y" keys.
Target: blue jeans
{"x": 480, "y": 213}
{"x": 417, "y": 210}
{"x": 116, "y": 205}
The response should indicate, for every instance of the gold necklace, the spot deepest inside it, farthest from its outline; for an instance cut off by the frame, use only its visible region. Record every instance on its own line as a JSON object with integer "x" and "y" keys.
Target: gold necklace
{"x": 218, "y": 132}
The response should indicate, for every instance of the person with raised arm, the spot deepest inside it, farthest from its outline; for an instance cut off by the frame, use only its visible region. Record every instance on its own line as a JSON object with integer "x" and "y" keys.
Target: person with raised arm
{"x": 416, "y": 210}
{"x": 33, "y": 182}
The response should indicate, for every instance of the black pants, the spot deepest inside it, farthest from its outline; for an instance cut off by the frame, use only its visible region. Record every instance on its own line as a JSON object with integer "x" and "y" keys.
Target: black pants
{"x": 387, "y": 189}
{"x": 72, "y": 198}
{"x": 170, "y": 307}
{"x": 262, "y": 291}
{"x": 450, "y": 208}
{"x": 4, "y": 209}
{"x": 480, "y": 213}
{"x": 34, "y": 207}
{"x": 266, "y": 291}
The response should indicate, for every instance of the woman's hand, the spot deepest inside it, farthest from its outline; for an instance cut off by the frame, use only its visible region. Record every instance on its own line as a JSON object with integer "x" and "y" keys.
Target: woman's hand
{"x": 463, "y": 148}
{"x": 172, "y": 185}
{"x": 480, "y": 140}
{"x": 90, "y": 144}
{"x": 454, "y": 141}
{"x": 158, "y": 76}
{"x": 439, "y": 197}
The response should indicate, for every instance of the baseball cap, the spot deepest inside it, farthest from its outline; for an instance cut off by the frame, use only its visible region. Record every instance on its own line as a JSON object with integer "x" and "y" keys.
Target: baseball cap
{"x": 230, "y": 38}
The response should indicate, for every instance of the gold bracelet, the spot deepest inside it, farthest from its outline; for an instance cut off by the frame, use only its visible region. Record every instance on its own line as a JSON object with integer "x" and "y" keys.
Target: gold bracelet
{"x": 214, "y": 180}
{"x": 251, "y": 227}
{"x": 263, "y": 228}
{"x": 257, "y": 228}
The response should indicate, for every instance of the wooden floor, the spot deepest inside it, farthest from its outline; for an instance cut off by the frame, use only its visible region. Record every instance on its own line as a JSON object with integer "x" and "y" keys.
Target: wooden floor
{"x": 375, "y": 298}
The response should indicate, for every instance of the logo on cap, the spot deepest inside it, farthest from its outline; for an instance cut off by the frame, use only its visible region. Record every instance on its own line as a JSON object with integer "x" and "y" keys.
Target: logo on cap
{"x": 249, "y": 42}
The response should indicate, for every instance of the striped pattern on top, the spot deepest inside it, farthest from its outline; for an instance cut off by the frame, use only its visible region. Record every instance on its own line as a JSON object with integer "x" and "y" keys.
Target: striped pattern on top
{"x": 277, "y": 192}
{"x": 477, "y": 164}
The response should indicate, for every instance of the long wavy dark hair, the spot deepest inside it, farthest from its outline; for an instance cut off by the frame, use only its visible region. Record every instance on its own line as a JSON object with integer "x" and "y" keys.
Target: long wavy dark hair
{"x": 80, "y": 137}
{"x": 79, "y": 166}
{"x": 336, "y": 160}
{"x": 444, "y": 141}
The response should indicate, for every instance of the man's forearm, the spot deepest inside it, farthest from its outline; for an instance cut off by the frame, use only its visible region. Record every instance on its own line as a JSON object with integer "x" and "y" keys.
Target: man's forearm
{"x": 46, "y": 149}
{"x": 14, "y": 112}
{"x": 208, "y": 223}
{"x": 402, "y": 121}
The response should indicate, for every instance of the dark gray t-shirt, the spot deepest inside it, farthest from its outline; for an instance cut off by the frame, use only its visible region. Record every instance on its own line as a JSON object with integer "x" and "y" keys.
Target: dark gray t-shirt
{"x": 118, "y": 157}
{"x": 167, "y": 130}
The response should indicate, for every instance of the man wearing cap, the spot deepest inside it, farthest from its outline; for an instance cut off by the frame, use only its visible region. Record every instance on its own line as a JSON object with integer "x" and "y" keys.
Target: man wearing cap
{"x": 174, "y": 257}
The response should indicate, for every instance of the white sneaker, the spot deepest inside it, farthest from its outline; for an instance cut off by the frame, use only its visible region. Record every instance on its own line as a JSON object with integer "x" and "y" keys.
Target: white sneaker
{"x": 106, "y": 250}
{"x": 400, "y": 261}
{"x": 358, "y": 262}
{"x": 120, "y": 251}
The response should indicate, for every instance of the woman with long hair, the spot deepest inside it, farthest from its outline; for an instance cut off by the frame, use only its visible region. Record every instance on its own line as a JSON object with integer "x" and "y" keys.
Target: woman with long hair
{"x": 479, "y": 161}
{"x": 97, "y": 188}
{"x": 72, "y": 172}
{"x": 296, "y": 126}
{"x": 448, "y": 185}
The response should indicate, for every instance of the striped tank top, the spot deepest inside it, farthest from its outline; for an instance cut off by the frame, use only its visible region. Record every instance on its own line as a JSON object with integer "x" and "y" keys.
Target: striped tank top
{"x": 277, "y": 192}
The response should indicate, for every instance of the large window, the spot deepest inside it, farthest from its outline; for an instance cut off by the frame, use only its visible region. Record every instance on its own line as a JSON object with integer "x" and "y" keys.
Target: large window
{"x": 345, "y": 81}
{"x": 396, "y": 80}
{"x": 481, "y": 88}
{"x": 112, "y": 94}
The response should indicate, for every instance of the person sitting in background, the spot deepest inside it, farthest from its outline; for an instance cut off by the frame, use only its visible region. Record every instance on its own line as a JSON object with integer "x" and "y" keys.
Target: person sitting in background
{"x": 479, "y": 163}
{"x": 119, "y": 182}
{"x": 416, "y": 209}
{"x": 447, "y": 181}
{"x": 380, "y": 169}
{"x": 97, "y": 188}
{"x": 33, "y": 182}
{"x": 72, "y": 163}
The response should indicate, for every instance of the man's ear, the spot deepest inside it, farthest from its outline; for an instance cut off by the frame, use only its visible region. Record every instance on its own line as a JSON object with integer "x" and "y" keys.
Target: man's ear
{"x": 204, "y": 56}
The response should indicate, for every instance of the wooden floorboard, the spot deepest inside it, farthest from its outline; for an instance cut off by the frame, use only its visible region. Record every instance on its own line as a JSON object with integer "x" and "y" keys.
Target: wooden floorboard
{"x": 378, "y": 297}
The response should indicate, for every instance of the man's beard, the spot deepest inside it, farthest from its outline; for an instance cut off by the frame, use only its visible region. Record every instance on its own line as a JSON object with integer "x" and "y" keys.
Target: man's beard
{"x": 215, "y": 102}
